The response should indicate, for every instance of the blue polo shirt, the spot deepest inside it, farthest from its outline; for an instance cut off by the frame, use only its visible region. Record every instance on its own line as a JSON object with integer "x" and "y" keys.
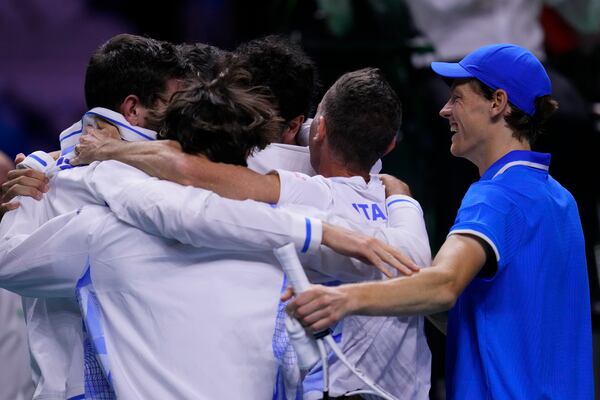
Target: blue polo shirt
{"x": 524, "y": 333}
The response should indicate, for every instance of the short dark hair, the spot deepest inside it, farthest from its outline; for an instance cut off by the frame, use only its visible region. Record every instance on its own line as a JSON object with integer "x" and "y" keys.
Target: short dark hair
{"x": 363, "y": 115}
{"x": 203, "y": 60}
{"x": 284, "y": 68}
{"x": 523, "y": 125}
{"x": 223, "y": 119}
{"x": 129, "y": 64}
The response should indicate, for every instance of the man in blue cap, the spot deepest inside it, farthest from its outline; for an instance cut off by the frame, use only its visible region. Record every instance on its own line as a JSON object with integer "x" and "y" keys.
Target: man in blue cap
{"x": 512, "y": 270}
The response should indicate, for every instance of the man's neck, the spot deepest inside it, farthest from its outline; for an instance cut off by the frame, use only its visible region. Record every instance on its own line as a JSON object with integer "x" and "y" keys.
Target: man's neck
{"x": 498, "y": 149}
{"x": 332, "y": 167}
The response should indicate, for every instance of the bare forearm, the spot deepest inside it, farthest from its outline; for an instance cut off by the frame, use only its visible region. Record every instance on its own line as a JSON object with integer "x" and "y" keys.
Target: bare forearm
{"x": 429, "y": 291}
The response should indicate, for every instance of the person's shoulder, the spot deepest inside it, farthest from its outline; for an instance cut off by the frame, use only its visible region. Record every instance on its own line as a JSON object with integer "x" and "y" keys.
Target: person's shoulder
{"x": 496, "y": 198}
{"x": 531, "y": 188}
{"x": 557, "y": 189}
{"x": 116, "y": 168}
{"x": 281, "y": 156}
{"x": 306, "y": 181}
{"x": 294, "y": 175}
{"x": 71, "y": 172}
{"x": 487, "y": 191}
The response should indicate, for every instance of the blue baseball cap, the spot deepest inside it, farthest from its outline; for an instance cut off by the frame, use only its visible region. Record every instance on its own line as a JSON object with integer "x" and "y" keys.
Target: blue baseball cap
{"x": 503, "y": 66}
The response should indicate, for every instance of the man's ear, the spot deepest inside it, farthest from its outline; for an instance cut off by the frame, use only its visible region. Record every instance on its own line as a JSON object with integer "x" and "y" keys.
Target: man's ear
{"x": 391, "y": 146}
{"x": 290, "y": 132}
{"x": 130, "y": 108}
{"x": 499, "y": 103}
{"x": 321, "y": 131}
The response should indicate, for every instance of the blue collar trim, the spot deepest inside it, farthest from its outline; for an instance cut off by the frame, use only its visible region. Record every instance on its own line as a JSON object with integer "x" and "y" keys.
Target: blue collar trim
{"x": 518, "y": 157}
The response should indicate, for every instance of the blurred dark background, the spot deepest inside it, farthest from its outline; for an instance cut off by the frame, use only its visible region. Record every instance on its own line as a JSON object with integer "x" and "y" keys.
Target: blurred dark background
{"x": 46, "y": 45}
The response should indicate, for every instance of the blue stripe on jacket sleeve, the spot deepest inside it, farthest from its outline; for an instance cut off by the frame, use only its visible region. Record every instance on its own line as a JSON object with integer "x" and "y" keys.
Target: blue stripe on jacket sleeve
{"x": 36, "y": 158}
{"x": 399, "y": 201}
{"x": 308, "y": 236}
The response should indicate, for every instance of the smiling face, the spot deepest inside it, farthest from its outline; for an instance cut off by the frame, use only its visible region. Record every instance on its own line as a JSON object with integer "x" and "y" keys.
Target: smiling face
{"x": 468, "y": 113}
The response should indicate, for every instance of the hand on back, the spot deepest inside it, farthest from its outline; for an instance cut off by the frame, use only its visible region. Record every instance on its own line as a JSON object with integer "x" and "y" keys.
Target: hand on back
{"x": 394, "y": 186}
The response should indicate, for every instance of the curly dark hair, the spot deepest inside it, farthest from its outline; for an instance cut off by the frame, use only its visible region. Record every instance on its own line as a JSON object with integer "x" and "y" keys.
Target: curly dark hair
{"x": 363, "y": 115}
{"x": 223, "y": 119}
{"x": 524, "y": 126}
{"x": 129, "y": 64}
{"x": 284, "y": 68}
